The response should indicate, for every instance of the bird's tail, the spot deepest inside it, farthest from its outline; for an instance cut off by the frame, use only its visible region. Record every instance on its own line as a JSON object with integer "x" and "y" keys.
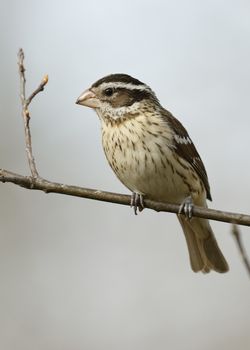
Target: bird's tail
{"x": 204, "y": 252}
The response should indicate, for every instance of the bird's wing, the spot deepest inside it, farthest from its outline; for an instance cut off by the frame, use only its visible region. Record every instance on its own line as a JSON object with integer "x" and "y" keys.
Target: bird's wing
{"x": 185, "y": 148}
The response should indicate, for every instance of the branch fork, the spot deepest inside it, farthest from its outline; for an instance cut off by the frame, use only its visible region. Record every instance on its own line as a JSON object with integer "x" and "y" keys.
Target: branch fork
{"x": 25, "y": 111}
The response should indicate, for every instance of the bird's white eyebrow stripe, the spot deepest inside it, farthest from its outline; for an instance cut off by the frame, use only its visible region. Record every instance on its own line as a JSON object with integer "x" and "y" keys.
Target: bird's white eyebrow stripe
{"x": 122, "y": 85}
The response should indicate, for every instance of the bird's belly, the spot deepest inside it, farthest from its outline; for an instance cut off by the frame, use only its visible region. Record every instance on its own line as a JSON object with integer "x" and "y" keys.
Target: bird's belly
{"x": 149, "y": 166}
{"x": 151, "y": 179}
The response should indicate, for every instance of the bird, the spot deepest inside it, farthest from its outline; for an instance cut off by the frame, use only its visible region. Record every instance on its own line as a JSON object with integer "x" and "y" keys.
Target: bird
{"x": 152, "y": 154}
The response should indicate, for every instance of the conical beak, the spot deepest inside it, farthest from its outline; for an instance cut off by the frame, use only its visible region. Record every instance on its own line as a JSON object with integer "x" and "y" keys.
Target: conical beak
{"x": 88, "y": 98}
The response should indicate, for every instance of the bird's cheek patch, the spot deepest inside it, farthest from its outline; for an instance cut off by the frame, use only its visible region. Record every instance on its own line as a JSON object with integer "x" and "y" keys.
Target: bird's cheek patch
{"x": 122, "y": 100}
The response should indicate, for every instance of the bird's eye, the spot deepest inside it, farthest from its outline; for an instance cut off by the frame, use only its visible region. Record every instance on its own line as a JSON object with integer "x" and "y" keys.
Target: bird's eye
{"x": 108, "y": 92}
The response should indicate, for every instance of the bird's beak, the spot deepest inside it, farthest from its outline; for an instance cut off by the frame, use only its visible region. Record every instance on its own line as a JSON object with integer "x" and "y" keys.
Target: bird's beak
{"x": 88, "y": 98}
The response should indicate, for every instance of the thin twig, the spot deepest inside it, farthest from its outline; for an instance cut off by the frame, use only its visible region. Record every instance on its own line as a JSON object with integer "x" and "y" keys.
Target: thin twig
{"x": 54, "y": 187}
{"x": 25, "y": 111}
{"x": 243, "y": 254}
{"x": 39, "y": 89}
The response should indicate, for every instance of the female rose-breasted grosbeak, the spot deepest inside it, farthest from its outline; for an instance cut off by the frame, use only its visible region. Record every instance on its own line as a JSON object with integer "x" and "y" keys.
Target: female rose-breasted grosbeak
{"x": 152, "y": 155}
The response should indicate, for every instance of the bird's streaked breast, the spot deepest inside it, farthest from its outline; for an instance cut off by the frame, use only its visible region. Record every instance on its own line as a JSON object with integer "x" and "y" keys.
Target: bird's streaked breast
{"x": 139, "y": 151}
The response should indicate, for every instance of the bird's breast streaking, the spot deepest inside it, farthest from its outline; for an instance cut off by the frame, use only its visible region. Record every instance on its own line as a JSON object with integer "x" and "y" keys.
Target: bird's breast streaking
{"x": 140, "y": 151}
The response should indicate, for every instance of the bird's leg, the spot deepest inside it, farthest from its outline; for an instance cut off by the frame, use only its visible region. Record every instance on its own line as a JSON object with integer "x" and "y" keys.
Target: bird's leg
{"x": 137, "y": 202}
{"x": 186, "y": 208}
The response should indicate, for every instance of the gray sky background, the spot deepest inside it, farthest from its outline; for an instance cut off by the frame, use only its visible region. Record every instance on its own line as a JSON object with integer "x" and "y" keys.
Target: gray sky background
{"x": 78, "y": 274}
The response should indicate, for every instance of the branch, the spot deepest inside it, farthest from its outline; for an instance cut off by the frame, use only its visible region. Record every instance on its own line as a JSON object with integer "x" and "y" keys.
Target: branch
{"x": 243, "y": 254}
{"x": 55, "y": 187}
{"x": 25, "y": 111}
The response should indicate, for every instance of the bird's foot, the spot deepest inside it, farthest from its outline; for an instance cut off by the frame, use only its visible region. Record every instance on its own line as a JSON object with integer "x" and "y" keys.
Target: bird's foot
{"x": 137, "y": 202}
{"x": 186, "y": 208}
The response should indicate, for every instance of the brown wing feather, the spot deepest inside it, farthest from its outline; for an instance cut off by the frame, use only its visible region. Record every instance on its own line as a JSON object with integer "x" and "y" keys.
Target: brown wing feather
{"x": 187, "y": 150}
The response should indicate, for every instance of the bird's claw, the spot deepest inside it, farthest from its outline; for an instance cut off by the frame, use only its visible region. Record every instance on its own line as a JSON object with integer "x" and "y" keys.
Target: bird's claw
{"x": 137, "y": 202}
{"x": 186, "y": 208}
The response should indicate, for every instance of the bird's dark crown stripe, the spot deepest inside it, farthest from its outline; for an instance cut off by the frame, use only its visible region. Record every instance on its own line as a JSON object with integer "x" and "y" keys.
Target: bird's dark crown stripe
{"x": 116, "y": 78}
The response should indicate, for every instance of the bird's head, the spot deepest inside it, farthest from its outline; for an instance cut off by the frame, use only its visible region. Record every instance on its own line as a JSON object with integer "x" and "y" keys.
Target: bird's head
{"x": 117, "y": 95}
